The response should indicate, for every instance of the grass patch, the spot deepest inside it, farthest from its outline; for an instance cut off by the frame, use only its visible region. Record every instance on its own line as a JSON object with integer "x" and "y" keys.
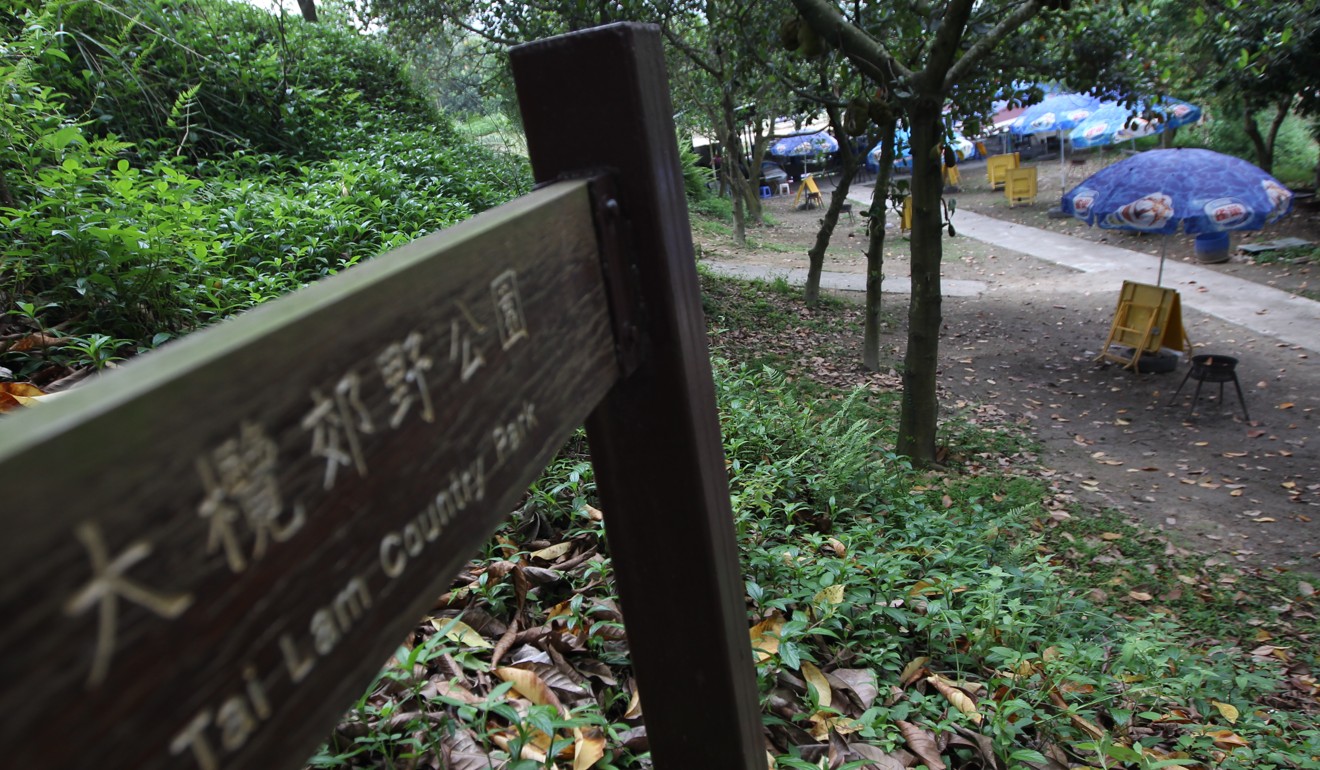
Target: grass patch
{"x": 713, "y": 207}
{"x": 1115, "y": 557}
{"x": 771, "y": 246}
{"x": 1298, "y": 255}
{"x": 712, "y": 227}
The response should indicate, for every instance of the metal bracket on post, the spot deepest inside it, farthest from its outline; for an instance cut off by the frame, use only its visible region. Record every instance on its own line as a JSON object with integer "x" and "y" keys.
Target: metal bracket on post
{"x": 620, "y": 272}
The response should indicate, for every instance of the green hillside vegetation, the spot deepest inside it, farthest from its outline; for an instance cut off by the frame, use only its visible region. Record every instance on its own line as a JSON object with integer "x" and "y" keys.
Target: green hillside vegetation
{"x": 163, "y": 170}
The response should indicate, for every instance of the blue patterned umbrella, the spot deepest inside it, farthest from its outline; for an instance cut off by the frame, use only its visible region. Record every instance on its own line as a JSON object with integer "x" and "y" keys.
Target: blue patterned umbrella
{"x": 800, "y": 145}
{"x": 962, "y": 147}
{"x": 1175, "y": 112}
{"x": 1060, "y": 112}
{"x": 1158, "y": 191}
{"x": 1112, "y": 123}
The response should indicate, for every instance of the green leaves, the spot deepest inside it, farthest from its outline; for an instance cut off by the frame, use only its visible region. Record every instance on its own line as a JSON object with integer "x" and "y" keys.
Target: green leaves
{"x": 62, "y": 138}
{"x": 133, "y": 247}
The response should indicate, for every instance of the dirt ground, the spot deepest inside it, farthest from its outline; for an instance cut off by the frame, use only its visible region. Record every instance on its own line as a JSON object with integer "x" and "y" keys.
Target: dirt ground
{"x": 1023, "y": 351}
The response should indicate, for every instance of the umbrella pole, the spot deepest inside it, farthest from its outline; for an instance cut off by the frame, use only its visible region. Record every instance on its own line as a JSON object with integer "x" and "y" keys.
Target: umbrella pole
{"x": 1164, "y": 247}
{"x": 1063, "y": 168}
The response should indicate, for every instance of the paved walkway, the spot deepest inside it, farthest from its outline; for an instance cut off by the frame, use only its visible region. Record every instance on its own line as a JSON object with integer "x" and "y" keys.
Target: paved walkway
{"x": 797, "y": 276}
{"x": 1262, "y": 309}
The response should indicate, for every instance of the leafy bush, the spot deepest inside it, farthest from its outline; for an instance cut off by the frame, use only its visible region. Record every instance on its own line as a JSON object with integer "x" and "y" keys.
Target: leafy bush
{"x": 107, "y": 242}
{"x": 1295, "y": 149}
{"x": 207, "y": 77}
{"x": 697, "y": 179}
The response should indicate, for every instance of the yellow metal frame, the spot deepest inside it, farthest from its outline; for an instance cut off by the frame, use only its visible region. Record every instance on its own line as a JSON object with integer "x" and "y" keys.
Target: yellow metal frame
{"x": 1020, "y": 185}
{"x": 813, "y": 192}
{"x": 952, "y": 176}
{"x": 1147, "y": 318}
{"x": 997, "y": 166}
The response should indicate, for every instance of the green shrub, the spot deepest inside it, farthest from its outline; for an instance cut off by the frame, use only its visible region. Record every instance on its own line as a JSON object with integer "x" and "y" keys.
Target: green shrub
{"x": 715, "y": 207}
{"x": 697, "y": 179}
{"x": 207, "y": 77}
{"x": 1295, "y": 150}
{"x": 104, "y": 242}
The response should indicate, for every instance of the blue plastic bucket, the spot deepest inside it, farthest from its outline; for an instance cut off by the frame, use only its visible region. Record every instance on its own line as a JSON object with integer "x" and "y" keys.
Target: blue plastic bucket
{"x": 1212, "y": 248}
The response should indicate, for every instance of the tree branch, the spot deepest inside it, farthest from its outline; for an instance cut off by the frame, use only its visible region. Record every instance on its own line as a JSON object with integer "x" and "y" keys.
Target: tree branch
{"x": 986, "y": 44}
{"x": 691, "y": 53}
{"x": 944, "y": 48}
{"x": 866, "y": 52}
{"x": 484, "y": 34}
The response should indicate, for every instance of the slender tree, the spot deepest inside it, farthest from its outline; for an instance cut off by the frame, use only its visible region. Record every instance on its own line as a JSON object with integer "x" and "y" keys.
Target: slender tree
{"x": 961, "y": 34}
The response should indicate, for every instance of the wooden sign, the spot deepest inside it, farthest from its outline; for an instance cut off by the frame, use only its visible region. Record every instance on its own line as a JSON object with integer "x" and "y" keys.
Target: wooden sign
{"x": 210, "y": 553}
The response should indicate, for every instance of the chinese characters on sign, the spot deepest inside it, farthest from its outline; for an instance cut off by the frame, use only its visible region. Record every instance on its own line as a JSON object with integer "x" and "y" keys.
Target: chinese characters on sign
{"x": 246, "y": 513}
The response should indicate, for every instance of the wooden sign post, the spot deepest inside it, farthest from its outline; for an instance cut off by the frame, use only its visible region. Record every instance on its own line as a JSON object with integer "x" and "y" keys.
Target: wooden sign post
{"x": 655, "y": 440}
{"x": 210, "y": 553}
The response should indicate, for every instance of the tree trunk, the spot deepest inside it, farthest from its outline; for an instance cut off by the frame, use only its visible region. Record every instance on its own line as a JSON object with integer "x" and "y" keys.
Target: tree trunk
{"x": 816, "y": 256}
{"x": 755, "y": 154}
{"x": 875, "y": 250}
{"x": 1264, "y": 144}
{"x": 733, "y": 170}
{"x": 920, "y": 410}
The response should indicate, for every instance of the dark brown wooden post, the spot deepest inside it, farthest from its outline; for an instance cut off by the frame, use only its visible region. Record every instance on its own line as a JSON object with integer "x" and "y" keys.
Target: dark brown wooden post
{"x": 600, "y": 98}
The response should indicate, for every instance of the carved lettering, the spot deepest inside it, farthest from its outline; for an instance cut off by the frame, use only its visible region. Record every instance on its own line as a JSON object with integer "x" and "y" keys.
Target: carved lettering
{"x": 107, "y": 586}
{"x": 236, "y": 723}
{"x": 508, "y": 309}
{"x": 256, "y": 693}
{"x": 351, "y": 604}
{"x": 461, "y": 347}
{"x": 295, "y": 662}
{"x": 465, "y": 488}
{"x": 403, "y": 367}
{"x": 193, "y": 737}
{"x": 392, "y": 559}
{"x": 239, "y": 716}
{"x": 412, "y": 539}
{"x": 336, "y": 423}
{"x": 240, "y": 481}
{"x": 325, "y": 633}
{"x": 510, "y": 436}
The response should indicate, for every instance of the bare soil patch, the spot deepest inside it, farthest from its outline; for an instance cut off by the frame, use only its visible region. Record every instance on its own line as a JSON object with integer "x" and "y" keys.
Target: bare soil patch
{"x": 1237, "y": 490}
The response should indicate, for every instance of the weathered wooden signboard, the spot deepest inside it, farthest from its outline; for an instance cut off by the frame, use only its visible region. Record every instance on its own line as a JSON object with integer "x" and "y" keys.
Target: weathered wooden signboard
{"x": 209, "y": 554}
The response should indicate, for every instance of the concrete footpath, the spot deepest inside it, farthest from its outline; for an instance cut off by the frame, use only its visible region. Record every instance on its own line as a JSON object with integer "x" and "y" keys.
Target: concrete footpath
{"x": 1262, "y": 309}
{"x": 834, "y": 281}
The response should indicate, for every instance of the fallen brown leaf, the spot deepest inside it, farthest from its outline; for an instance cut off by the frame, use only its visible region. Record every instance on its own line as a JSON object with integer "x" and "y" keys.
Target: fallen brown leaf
{"x": 13, "y": 394}
{"x": 765, "y": 637}
{"x": 824, "y": 696}
{"x": 922, "y": 742}
{"x": 960, "y": 700}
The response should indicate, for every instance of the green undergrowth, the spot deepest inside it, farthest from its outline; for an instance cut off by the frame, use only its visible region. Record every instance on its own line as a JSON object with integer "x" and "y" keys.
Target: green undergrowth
{"x": 937, "y": 609}
{"x": 1142, "y": 573}
{"x": 113, "y": 246}
{"x": 1298, "y": 255}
